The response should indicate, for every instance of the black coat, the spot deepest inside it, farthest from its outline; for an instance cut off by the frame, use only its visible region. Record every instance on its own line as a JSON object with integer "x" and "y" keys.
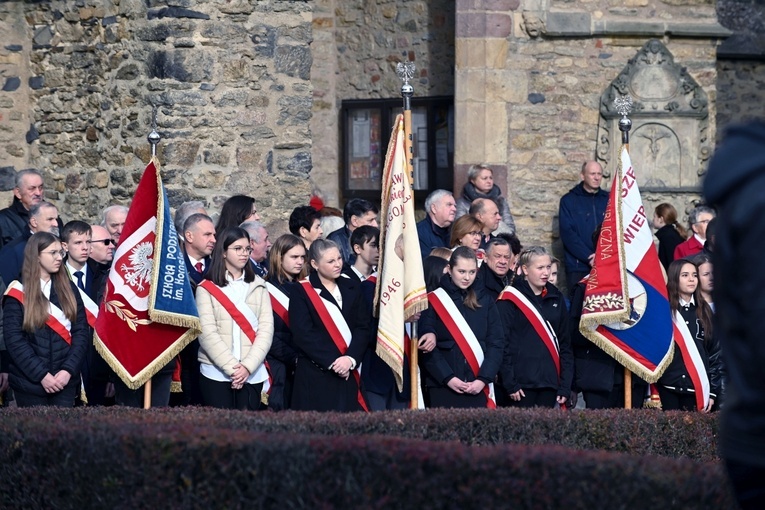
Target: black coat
{"x": 488, "y": 280}
{"x": 527, "y": 362}
{"x": 317, "y": 388}
{"x": 676, "y": 374}
{"x": 446, "y": 360}
{"x": 33, "y": 355}
{"x": 669, "y": 238}
{"x": 281, "y": 357}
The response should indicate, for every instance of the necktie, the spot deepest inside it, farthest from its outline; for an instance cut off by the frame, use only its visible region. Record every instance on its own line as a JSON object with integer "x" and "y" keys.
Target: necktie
{"x": 80, "y": 283}
{"x": 198, "y": 267}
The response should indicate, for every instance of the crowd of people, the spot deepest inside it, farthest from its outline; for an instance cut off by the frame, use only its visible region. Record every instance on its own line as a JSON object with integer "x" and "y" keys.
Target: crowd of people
{"x": 289, "y": 324}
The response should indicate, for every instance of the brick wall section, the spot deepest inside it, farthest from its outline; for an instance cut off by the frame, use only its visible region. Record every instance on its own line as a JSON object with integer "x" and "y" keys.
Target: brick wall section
{"x": 231, "y": 79}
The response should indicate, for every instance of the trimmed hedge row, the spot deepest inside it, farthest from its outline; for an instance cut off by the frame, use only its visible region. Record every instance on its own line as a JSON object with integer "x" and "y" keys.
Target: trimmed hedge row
{"x": 197, "y": 458}
{"x": 642, "y": 432}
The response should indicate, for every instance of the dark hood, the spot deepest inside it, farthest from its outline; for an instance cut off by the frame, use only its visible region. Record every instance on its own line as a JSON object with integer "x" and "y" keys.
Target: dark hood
{"x": 736, "y": 160}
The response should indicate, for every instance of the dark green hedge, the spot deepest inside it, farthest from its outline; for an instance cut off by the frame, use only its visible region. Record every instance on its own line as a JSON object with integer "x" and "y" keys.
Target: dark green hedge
{"x": 201, "y": 458}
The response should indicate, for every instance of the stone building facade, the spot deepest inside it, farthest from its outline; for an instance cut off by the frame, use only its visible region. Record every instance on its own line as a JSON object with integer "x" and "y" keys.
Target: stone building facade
{"x": 249, "y": 92}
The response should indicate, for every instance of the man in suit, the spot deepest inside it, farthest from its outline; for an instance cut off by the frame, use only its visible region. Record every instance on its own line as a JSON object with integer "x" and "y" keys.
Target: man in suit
{"x": 199, "y": 236}
{"x": 101, "y": 246}
{"x": 43, "y": 217}
{"x": 260, "y": 244}
{"x": 89, "y": 276}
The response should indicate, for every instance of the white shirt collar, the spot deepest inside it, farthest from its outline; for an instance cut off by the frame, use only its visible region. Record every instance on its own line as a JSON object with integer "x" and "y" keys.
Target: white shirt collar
{"x": 45, "y": 287}
{"x": 683, "y": 302}
{"x": 72, "y": 269}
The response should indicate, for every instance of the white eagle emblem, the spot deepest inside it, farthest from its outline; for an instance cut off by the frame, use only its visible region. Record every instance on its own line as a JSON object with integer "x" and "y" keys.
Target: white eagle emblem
{"x": 139, "y": 272}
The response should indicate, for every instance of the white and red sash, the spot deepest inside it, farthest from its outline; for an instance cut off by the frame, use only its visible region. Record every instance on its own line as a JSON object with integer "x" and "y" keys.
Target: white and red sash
{"x": 692, "y": 360}
{"x": 57, "y": 321}
{"x": 464, "y": 337}
{"x": 280, "y": 302}
{"x": 91, "y": 308}
{"x": 333, "y": 321}
{"x": 542, "y": 328}
{"x": 244, "y": 318}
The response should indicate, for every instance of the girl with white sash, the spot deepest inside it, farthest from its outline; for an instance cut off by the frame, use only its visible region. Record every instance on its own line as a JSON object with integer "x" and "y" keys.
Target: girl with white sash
{"x": 692, "y": 380}
{"x": 331, "y": 327}
{"x": 467, "y": 330}
{"x": 287, "y": 266}
{"x": 237, "y": 326}
{"x": 538, "y": 365}
{"x": 46, "y": 332}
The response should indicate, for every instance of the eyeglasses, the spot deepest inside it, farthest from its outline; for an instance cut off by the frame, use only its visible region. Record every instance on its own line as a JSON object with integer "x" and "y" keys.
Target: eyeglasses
{"x": 241, "y": 249}
{"x": 475, "y": 233}
{"x": 56, "y": 253}
{"x": 106, "y": 242}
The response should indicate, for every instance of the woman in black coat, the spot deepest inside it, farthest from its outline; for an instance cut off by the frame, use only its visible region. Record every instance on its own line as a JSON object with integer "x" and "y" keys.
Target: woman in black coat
{"x": 287, "y": 266}
{"x": 326, "y": 378}
{"x": 529, "y": 372}
{"x": 45, "y": 329}
{"x": 449, "y": 377}
{"x": 675, "y": 385}
{"x": 668, "y": 231}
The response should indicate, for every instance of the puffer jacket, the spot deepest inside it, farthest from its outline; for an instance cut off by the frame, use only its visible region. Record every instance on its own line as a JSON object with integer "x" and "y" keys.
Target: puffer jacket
{"x": 216, "y": 340}
{"x": 33, "y": 355}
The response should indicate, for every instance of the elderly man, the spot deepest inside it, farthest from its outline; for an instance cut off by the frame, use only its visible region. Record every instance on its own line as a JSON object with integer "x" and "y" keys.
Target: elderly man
{"x": 581, "y": 211}
{"x": 101, "y": 245}
{"x": 698, "y": 220}
{"x": 29, "y": 190}
{"x": 486, "y": 211}
{"x": 259, "y": 244}
{"x": 493, "y": 275}
{"x": 433, "y": 231}
{"x": 114, "y": 218}
{"x": 43, "y": 217}
{"x": 199, "y": 235}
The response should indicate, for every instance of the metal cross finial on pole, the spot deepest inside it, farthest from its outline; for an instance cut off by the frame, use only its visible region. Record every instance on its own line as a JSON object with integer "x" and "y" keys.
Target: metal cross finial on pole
{"x": 153, "y": 137}
{"x": 623, "y": 106}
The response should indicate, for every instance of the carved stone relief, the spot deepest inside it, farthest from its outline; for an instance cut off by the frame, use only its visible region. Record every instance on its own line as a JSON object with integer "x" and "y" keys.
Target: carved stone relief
{"x": 669, "y": 142}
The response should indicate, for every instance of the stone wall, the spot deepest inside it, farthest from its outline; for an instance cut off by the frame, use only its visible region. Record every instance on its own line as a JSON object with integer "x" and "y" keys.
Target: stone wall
{"x": 231, "y": 79}
{"x": 358, "y": 44}
{"x": 529, "y": 76}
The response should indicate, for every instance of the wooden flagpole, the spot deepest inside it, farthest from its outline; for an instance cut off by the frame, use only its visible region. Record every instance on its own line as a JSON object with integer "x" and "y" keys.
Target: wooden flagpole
{"x": 624, "y": 107}
{"x": 153, "y": 139}
{"x": 405, "y": 71}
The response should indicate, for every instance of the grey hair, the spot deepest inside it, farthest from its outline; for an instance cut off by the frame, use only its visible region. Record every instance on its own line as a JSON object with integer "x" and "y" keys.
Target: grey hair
{"x": 253, "y": 229}
{"x": 23, "y": 173}
{"x": 434, "y": 197}
{"x": 184, "y": 211}
{"x": 474, "y": 170}
{"x": 109, "y": 209}
{"x": 532, "y": 251}
{"x": 36, "y": 208}
{"x": 693, "y": 217}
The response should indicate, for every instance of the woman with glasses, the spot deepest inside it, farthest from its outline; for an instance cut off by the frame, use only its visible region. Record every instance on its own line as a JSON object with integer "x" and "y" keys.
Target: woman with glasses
{"x": 287, "y": 266}
{"x": 237, "y": 326}
{"x": 331, "y": 327}
{"x": 45, "y": 329}
{"x": 467, "y": 231}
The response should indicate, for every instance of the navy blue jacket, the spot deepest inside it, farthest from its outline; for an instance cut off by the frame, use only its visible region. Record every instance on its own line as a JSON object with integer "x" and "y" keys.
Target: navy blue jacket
{"x": 342, "y": 237}
{"x": 33, "y": 355}
{"x": 579, "y": 214}
{"x": 431, "y": 236}
{"x": 446, "y": 360}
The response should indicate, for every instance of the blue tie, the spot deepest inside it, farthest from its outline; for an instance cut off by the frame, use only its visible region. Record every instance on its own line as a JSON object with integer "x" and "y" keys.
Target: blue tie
{"x": 80, "y": 283}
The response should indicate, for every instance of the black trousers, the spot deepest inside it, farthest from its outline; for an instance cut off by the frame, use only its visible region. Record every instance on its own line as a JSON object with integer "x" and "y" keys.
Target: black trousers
{"x": 160, "y": 392}
{"x": 446, "y": 397}
{"x": 223, "y": 396}
{"x": 64, "y": 398}
{"x": 614, "y": 399}
{"x": 675, "y": 400}
{"x": 539, "y": 397}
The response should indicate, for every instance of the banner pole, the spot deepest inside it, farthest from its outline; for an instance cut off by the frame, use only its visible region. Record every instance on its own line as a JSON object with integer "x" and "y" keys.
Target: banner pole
{"x": 147, "y": 395}
{"x": 624, "y": 106}
{"x": 405, "y": 71}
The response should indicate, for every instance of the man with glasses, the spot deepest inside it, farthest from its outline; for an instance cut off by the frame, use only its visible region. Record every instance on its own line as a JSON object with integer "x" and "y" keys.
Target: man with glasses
{"x": 101, "y": 246}
{"x": 43, "y": 217}
{"x": 698, "y": 219}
